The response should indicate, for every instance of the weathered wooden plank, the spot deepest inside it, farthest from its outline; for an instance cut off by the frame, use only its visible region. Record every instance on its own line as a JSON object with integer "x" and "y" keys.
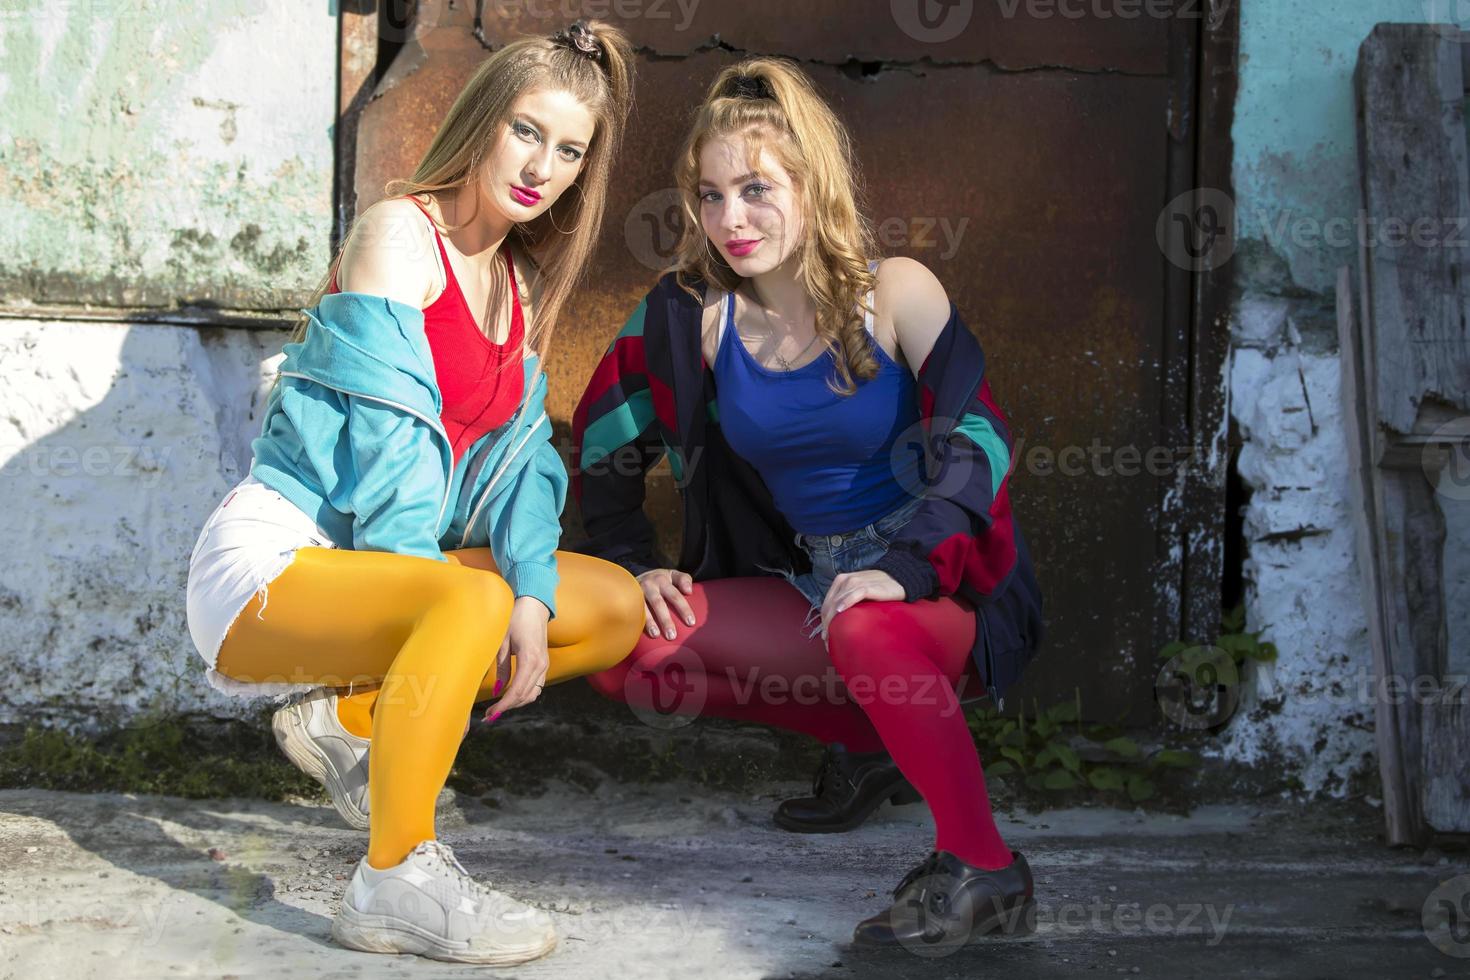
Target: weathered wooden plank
{"x": 1446, "y": 761}
{"x": 1413, "y": 165}
{"x": 1400, "y": 796}
{"x": 1406, "y": 373}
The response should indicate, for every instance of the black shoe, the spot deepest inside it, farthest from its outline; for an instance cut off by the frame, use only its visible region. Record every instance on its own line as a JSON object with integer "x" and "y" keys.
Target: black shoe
{"x": 846, "y": 789}
{"x": 945, "y": 903}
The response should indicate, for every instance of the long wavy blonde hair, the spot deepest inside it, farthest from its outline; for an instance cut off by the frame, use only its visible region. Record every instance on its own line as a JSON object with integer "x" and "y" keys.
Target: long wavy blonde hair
{"x": 560, "y": 240}
{"x": 769, "y": 103}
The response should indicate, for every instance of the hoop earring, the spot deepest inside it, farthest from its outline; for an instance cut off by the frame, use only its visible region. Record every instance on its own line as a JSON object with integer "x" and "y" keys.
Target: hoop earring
{"x": 550, "y": 216}
{"x": 715, "y": 262}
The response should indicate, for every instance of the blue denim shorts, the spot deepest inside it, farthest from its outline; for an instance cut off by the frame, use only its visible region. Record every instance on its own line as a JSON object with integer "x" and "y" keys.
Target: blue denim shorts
{"x": 833, "y": 554}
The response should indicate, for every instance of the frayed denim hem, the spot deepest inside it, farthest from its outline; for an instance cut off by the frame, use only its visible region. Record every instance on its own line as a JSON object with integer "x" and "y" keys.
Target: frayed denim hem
{"x": 807, "y": 629}
{"x": 225, "y": 684}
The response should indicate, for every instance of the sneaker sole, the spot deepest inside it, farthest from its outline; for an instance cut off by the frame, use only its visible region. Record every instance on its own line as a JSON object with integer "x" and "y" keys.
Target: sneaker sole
{"x": 379, "y": 934}
{"x": 299, "y": 749}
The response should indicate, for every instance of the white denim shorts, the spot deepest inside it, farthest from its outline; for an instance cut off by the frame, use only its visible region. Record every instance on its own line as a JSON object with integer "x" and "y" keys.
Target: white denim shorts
{"x": 249, "y": 540}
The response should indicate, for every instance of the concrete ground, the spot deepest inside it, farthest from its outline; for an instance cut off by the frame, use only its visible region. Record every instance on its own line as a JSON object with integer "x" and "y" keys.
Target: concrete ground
{"x": 671, "y": 881}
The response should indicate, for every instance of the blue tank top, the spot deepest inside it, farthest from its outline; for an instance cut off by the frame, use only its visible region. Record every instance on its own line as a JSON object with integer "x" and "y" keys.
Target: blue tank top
{"x": 829, "y": 460}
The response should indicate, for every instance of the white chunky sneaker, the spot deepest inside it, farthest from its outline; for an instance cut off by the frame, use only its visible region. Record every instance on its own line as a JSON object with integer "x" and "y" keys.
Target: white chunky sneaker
{"x": 308, "y": 731}
{"x": 430, "y": 905}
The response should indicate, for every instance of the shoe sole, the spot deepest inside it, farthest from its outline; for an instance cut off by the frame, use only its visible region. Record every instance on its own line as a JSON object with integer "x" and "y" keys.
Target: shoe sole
{"x": 903, "y": 796}
{"x": 1020, "y": 921}
{"x": 379, "y": 934}
{"x": 298, "y": 747}
{"x": 1010, "y": 924}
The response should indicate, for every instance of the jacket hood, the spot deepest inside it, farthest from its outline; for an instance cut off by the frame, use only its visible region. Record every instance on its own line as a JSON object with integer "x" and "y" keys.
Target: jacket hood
{"x": 351, "y": 351}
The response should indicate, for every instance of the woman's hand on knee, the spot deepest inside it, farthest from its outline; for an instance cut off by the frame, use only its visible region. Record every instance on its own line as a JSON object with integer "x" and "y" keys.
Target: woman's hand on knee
{"x": 525, "y": 642}
{"x": 664, "y": 591}
{"x": 850, "y": 588}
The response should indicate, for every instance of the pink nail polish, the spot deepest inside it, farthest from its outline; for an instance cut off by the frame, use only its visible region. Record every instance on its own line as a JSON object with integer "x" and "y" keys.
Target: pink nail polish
{"x": 492, "y": 717}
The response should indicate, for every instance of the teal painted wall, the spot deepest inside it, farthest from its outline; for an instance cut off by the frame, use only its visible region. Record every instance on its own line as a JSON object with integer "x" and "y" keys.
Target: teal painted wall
{"x": 159, "y": 153}
{"x": 1295, "y": 165}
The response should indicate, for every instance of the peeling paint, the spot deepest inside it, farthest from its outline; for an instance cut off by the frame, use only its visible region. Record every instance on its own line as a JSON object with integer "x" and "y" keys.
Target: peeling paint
{"x": 142, "y": 139}
{"x": 126, "y": 436}
{"x": 1312, "y": 712}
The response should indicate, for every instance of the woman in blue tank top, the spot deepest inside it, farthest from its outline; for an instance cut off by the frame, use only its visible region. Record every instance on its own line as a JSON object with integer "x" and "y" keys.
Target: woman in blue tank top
{"x": 812, "y": 350}
{"x": 832, "y": 460}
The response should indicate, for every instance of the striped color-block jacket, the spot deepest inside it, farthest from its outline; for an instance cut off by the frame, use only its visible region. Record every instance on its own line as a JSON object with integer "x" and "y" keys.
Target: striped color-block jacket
{"x": 652, "y": 394}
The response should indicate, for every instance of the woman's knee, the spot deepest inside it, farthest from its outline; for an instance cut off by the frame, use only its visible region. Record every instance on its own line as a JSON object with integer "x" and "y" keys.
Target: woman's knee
{"x": 476, "y": 597}
{"x": 855, "y": 638}
{"x": 624, "y": 614}
{"x": 610, "y": 606}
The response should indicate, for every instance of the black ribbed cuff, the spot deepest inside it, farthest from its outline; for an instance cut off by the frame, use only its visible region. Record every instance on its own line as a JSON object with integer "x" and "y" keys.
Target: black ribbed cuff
{"x": 915, "y": 574}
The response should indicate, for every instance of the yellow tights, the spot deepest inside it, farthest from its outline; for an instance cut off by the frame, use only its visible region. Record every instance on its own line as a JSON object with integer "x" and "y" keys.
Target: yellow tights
{"x": 423, "y": 635}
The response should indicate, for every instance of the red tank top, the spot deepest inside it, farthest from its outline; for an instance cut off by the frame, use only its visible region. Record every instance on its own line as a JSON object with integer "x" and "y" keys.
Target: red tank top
{"x": 480, "y": 382}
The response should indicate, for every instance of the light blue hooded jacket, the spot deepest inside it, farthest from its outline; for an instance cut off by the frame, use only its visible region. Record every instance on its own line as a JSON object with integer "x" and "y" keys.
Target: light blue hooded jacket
{"x": 352, "y": 436}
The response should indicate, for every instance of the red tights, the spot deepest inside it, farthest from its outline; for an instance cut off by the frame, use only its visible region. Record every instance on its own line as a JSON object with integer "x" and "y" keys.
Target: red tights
{"x": 886, "y": 679}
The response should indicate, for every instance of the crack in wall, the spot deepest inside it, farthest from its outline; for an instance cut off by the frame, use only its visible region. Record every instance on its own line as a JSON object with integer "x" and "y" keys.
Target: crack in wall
{"x": 1293, "y": 535}
{"x": 1306, "y": 397}
{"x": 852, "y": 66}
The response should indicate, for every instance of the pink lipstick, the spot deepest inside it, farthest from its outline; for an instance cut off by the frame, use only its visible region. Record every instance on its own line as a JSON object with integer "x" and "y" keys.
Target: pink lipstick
{"x": 525, "y": 196}
{"x": 741, "y": 247}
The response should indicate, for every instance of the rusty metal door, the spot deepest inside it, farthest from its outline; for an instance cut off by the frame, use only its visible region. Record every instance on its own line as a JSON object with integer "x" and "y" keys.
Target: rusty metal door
{"x": 1028, "y": 152}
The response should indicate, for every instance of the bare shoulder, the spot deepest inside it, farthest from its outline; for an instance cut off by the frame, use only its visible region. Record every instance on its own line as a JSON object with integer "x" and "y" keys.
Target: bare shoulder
{"x": 913, "y": 300}
{"x": 390, "y": 252}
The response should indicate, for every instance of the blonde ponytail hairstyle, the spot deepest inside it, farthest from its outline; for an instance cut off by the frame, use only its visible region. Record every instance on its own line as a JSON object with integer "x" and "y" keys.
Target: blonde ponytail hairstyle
{"x": 594, "y": 62}
{"x": 769, "y": 103}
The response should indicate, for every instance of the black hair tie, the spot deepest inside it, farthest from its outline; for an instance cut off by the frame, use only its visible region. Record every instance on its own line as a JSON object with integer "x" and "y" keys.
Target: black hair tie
{"x": 748, "y": 87}
{"x": 578, "y": 38}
